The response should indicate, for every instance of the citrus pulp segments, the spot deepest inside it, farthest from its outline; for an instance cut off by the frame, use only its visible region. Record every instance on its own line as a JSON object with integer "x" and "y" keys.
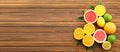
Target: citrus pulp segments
{"x": 90, "y": 16}
{"x": 78, "y": 33}
{"x": 99, "y": 36}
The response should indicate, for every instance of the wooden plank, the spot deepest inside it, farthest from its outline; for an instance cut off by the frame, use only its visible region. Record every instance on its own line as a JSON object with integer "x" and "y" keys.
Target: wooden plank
{"x": 55, "y": 1}
{"x": 58, "y": 6}
{"x": 45, "y": 14}
{"x": 40, "y": 49}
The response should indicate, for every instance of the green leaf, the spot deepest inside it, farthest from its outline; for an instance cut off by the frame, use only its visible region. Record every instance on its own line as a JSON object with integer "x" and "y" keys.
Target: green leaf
{"x": 99, "y": 3}
{"x": 83, "y": 11}
{"x": 93, "y": 47}
{"x": 80, "y": 18}
{"x": 78, "y": 42}
{"x": 87, "y": 48}
{"x": 92, "y": 7}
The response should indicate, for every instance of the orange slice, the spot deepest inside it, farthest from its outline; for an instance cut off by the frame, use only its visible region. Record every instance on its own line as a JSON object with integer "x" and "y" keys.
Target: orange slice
{"x": 88, "y": 40}
{"x": 78, "y": 33}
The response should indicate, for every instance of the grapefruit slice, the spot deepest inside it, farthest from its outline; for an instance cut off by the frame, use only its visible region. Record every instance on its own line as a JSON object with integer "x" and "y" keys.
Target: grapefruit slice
{"x": 99, "y": 36}
{"x": 90, "y": 16}
{"x": 89, "y": 28}
{"x": 78, "y": 33}
{"x": 106, "y": 45}
{"x": 88, "y": 40}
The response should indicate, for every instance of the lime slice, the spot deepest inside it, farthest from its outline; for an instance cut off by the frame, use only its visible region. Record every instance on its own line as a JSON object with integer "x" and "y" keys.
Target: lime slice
{"x": 88, "y": 41}
{"x": 78, "y": 33}
{"x": 106, "y": 45}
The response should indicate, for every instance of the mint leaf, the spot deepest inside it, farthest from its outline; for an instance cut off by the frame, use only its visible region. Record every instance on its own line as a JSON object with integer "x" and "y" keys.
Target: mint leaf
{"x": 78, "y": 42}
{"x": 87, "y": 48}
{"x": 92, "y": 7}
{"x": 93, "y": 47}
{"x": 83, "y": 11}
{"x": 80, "y": 18}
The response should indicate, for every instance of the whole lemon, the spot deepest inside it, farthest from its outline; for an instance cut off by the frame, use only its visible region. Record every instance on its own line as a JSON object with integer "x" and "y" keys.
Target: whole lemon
{"x": 101, "y": 22}
{"x": 110, "y": 28}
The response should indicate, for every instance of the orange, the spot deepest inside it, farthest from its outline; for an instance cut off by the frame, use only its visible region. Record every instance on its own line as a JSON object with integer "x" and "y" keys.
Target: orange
{"x": 78, "y": 33}
{"x": 110, "y": 28}
{"x": 89, "y": 28}
{"x": 88, "y": 40}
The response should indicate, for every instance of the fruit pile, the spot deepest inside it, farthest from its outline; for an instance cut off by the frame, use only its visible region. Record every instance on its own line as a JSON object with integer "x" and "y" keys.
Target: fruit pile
{"x": 103, "y": 34}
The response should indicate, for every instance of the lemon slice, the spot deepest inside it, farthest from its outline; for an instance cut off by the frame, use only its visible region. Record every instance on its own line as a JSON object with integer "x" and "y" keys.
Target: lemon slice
{"x": 89, "y": 28}
{"x": 106, "y": 45}
{"x": 88, "y": 40}
{"x": 78, "y": 33}
{"x": 100, "y": 10}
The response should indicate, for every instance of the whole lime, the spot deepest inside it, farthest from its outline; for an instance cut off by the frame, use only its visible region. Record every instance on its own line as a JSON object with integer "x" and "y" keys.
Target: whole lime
{"x": 111, "y": 38}
{"x": 107, "y": 17}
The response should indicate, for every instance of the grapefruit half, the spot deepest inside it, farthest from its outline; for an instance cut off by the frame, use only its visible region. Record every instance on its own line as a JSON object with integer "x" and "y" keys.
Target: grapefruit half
{"x": 90, "y": 16}
{"x": 99, "y": 36}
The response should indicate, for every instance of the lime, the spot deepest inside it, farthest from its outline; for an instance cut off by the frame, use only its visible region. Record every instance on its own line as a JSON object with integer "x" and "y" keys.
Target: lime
{"x": 78, "y": 33}
{"x": 100, "y": 10}
{"x": 111, "y": 38}
{"x": 106, "y": 45}
{"x": 88, "y": 40}
{"x": 101, "y": 22}
{"x": 107, "y": 17}
{"x": 89, "y": 28}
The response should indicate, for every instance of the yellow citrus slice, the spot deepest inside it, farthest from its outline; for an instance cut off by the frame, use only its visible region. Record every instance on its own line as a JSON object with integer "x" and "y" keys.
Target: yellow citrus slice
{"x": 106, "y": 45}
{"x": 89, "y": 28}
{"x": 88, "y": 40}
{"x": 100, "y": 10}
{"x": 78, "y": 33}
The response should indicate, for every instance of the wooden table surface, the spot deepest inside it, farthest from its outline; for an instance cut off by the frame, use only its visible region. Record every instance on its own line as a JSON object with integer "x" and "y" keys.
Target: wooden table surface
{"x": 48, "y": 25}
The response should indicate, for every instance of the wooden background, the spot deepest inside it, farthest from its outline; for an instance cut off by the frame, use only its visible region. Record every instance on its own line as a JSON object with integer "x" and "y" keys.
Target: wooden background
{"x": 47, "y": 25}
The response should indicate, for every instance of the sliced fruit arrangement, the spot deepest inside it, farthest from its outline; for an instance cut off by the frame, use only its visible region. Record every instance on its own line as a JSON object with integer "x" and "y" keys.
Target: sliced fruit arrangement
{"x": 105, "y": 33}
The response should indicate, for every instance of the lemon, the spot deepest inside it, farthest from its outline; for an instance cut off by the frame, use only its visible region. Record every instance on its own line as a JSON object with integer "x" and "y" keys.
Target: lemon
{"x": 100, "y": 10}
{"x": 88, "y": 40}
{"x": 78, "y": 33}
{"x": 89, "y": 28}
{"x": 106, "y": 45}
{"x": 101, "y": 22}
{"x": 110, "y": 28}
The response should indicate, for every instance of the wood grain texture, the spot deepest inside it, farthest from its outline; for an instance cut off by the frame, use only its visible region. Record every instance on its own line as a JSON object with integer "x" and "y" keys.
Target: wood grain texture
{"x": 48, "y": 25}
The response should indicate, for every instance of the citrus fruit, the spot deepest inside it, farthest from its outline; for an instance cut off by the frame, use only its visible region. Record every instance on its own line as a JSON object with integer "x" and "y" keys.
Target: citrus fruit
{"x": 78, "y": 33}
{"x": 100, "y": 10}
{"x": 106, "y": 45}
{"x": 88, "y": 40}
{"x": 90, "y": 16}
{"x": 99, "y": 36}
{"x": 111, "y": 38}
{"x": 107, "y": 17}
{"x": 89, "y": 28}
{"x": 110, "y": 28}
{"x": 101, "y": 22}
